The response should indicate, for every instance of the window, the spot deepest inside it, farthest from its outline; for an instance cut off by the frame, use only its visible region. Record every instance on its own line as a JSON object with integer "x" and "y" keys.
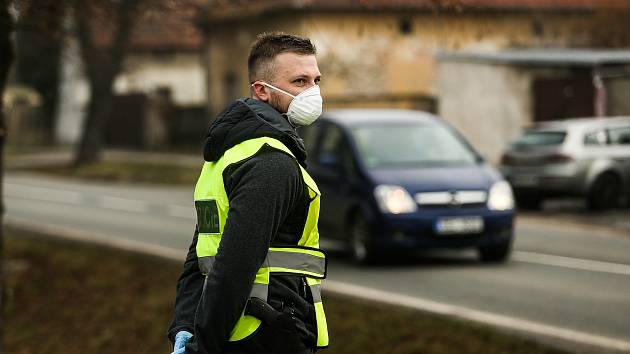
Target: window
{"x": 405, "y": 26}
{"x": 309, "y": 135}
{"x": 411, "y": 145}
{"x": 619, "y": 136}
{"x": 230, "y": 87}
{"x": 329, "y": 150}
{"x": 335, "y": 150}
{"x": 535, "y": 138}
{"x": 347, "y": 158}
{"x": 595, "y": 138}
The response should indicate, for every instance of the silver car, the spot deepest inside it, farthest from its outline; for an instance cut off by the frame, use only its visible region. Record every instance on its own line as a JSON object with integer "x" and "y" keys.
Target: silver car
{"x": 587, "y": 157}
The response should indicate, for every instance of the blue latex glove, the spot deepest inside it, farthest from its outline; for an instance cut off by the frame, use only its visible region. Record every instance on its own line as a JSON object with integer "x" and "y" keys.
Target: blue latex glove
{"x": 181, "y": 338}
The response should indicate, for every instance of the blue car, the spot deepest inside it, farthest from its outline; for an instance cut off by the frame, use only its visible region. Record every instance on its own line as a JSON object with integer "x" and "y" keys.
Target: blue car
{"x": 401, "y": 180}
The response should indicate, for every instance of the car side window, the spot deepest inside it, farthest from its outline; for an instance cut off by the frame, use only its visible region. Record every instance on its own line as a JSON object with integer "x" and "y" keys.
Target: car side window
{"x": 619, "y": 136}
{"x": 595, "y": 138}
{"x": 335, "y": 150}
{"x": 329, "y": 149}
{"x": 347, "y": 158}
{"x": 309, "y": 134}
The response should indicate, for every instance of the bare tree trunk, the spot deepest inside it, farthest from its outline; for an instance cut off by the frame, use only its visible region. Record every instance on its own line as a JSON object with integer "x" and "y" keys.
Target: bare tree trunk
{"x": 6, "y": 48}
{"x": 102, "y": 68}
{"x": 98, "y": 112}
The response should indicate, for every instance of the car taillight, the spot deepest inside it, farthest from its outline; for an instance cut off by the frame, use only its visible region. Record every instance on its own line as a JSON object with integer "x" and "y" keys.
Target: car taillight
{"x": 558, "y": 158}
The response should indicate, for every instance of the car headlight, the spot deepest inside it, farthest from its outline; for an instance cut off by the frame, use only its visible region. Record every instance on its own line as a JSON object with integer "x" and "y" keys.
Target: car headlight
{"x": 394, "y": 199}
{"x": 501, "y": 197}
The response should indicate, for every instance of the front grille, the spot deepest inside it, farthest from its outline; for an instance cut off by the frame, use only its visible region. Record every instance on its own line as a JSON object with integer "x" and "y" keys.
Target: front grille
{"x": 473, "y": 198}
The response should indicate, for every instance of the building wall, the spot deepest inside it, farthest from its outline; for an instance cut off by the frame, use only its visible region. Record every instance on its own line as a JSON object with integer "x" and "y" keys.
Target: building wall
{"x": 618, "y": 92}
{"x": 371, "y": 59}
{"x": 74, "y": 93}
{"x": 182, "y": 73}
{"x": 226, "y": 58}
{"x": 489, "y": 115}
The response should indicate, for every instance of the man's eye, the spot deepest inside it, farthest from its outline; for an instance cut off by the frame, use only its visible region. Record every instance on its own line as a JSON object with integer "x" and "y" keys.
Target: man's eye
{"x": 300, "y": 82}
{"x": 317, "y": 81}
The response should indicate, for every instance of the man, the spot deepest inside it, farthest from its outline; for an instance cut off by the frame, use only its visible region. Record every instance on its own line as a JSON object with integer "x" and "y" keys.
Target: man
{"x": 257, "y": 209}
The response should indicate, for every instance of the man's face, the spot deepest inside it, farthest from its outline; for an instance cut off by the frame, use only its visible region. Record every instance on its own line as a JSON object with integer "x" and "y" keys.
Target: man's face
{"x": 292, "y": 73}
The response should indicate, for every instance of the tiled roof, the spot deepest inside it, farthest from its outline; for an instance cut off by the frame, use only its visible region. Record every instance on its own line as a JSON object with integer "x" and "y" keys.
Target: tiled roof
{"x": 171, "y": 27}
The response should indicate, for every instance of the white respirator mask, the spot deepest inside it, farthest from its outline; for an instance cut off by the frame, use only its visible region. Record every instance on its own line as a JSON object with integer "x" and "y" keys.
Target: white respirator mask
{"x": 305, "y": 108}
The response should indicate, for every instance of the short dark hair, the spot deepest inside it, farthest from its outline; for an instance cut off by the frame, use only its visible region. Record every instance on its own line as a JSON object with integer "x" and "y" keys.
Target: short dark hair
{"x": 270, "y": 44}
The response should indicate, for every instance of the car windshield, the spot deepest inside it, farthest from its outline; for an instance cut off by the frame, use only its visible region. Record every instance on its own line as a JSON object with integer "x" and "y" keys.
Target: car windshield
{"x": 410, "y": 145}
{"x": 533, "y": 139}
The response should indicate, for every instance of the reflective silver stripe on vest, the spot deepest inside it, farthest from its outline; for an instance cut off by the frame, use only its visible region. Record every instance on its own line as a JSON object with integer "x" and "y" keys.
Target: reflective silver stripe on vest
{"x": 205, "y": 264}
{"x": 297, "y": 261}
{"x": 316, "y": 291}
{"x": 260, "y": 291}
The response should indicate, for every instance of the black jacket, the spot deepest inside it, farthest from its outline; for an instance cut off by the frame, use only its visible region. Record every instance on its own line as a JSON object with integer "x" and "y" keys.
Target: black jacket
{"x": 268, "y": 206}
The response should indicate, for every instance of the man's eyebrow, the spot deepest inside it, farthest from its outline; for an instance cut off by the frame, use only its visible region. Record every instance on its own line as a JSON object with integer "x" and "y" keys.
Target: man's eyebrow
{"x": 304, "y": 76}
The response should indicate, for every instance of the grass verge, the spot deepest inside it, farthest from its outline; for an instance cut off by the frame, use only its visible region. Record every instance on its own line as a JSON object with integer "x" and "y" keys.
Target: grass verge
{"x": 74, "y": 298}
{"x": 123, "y": 171}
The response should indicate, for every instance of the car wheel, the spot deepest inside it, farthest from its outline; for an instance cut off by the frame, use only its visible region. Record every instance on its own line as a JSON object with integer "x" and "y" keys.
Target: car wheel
{"x": 496, "y": 253}
{"x": 529, "y": 202}
{"x": 360, "y": 241}
{"x": 605, "y": 192}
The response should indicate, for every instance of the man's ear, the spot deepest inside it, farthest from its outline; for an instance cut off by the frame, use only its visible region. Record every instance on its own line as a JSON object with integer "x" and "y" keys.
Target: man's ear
{"x": 260, "y": 91}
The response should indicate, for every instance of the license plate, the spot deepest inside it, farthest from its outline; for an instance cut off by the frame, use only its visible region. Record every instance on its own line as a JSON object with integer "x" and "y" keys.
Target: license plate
{"x": 459, "y": 225}
{"x": 525, "y": 180}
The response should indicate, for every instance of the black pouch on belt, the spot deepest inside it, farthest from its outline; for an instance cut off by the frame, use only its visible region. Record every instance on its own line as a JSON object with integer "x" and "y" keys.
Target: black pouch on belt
{"x": 287, "y": 332}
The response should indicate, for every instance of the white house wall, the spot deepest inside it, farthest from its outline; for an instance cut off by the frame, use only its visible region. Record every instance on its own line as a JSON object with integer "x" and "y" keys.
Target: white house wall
{"x": 74, "y": 92}
{"x": 488, "y": 104}
{"x": 181, "y": 72}
{"x": 618, "y": 89}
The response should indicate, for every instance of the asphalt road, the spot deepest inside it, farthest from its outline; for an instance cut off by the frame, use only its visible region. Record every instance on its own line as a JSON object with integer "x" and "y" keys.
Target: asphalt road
{"x": 567, "y": 284}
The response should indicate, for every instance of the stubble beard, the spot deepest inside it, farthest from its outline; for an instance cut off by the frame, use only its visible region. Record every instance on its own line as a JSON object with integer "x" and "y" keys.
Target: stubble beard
{"x": 276, "y": 103}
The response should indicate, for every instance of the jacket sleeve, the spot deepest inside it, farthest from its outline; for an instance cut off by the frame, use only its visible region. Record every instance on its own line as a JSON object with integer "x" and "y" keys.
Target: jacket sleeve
{"x": 262, "y": 191}
{"x": 189, "y": 288}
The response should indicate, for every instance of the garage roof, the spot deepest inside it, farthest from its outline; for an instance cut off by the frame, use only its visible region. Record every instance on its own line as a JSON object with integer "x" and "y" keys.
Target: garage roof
{"x": 544, "y": 57}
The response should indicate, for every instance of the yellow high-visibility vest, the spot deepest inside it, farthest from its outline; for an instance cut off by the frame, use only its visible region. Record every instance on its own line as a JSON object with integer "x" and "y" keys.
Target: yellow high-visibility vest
{"x": 305, "y": 259}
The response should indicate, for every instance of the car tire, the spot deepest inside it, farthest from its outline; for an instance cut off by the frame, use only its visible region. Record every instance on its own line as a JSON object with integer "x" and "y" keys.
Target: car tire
{"x": 496, "y": 253}
{"x": 605, "y": 192}
{"x": 360, "y": 241}
{"x": 529, "y": 202}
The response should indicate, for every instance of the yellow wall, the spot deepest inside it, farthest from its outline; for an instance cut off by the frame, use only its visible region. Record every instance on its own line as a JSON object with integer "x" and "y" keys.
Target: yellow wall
{"x": 228, "y": 48}
{"x": 366, "y": 60}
